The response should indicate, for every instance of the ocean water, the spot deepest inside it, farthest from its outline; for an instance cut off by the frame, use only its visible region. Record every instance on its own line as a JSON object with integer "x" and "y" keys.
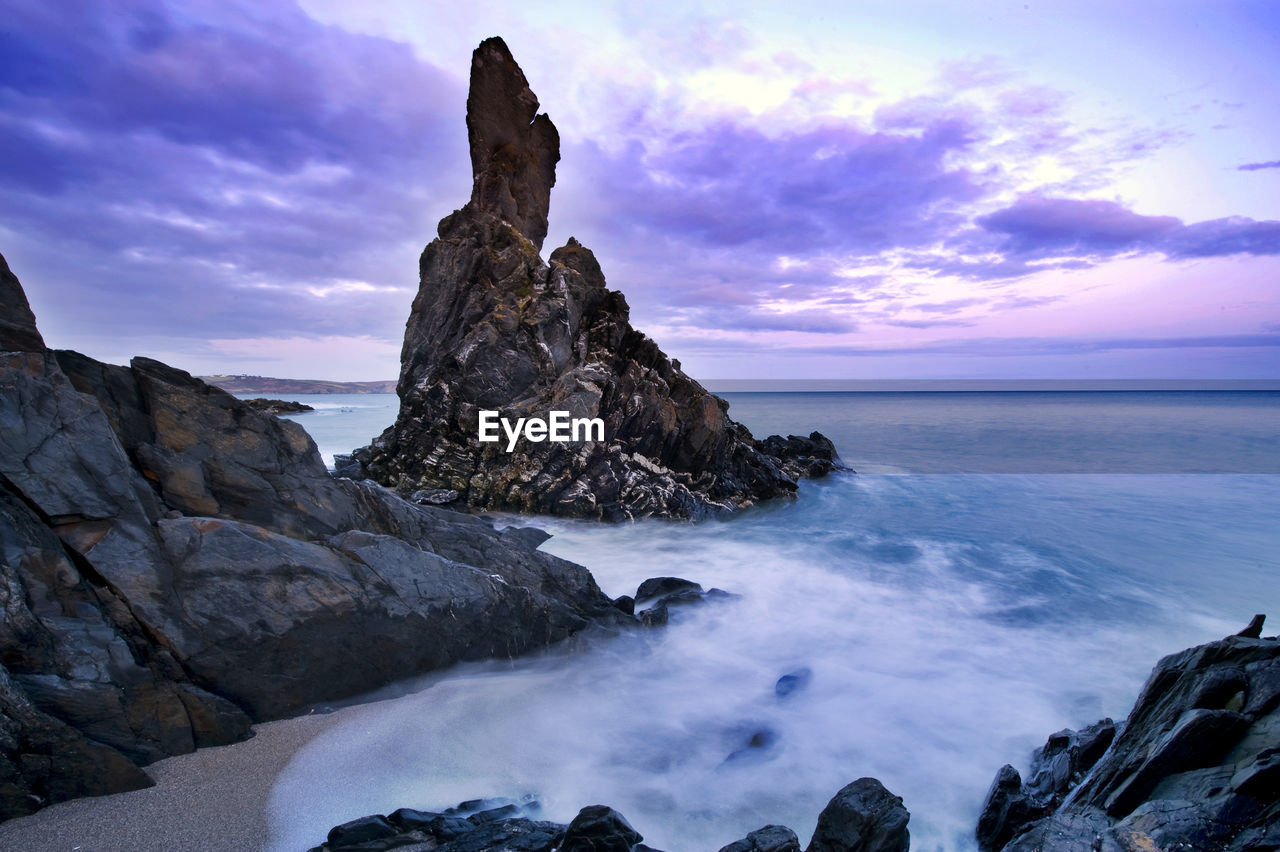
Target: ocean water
{"x": 948, "y": 621}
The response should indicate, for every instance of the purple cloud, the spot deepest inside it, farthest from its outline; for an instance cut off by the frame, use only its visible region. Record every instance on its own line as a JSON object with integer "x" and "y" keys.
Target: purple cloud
{"x": 241, "y": 166}
{"x": 1253, "y": 167}
{"x": 1037, "y": 226}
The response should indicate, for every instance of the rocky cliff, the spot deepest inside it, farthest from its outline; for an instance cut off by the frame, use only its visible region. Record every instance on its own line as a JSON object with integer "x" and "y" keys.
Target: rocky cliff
{"x": 175, "y": 565}
{"x": 1195, "y": 766}
{"x": 495, "y": 327}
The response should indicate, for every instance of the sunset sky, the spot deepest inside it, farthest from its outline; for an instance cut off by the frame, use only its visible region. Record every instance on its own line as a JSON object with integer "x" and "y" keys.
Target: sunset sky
{"x": 802, "y": 189}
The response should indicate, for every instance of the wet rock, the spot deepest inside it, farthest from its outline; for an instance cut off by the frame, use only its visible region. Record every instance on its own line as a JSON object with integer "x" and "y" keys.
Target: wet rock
{"x": 494, "y": 327}
{"x": 626, "y": 604}
{"x": 655, "y": 616}
{"x": 862, "y": 817}
{"x": 598, "y": 828}
{"x": 1192, "y": 768}
{"x": 361, "y": 831}
{"x": 657, "y": 587}
{"x": 771, "y": 838}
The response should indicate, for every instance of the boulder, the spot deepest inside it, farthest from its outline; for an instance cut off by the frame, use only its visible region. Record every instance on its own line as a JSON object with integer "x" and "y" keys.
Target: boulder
{"x": 771, "y": 838}
{"x": 496, "y": 328}
{"x": 598, "y": 828}
{"x": 862, "y": 817}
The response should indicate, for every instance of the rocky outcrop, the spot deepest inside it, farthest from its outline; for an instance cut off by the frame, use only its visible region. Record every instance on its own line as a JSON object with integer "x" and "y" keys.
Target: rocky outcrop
{"x": 1195, "y": 766}
{"x": 278, "y": 406}
{"x": 863, "y": 817}
{"x": 494, "y": 327}
{"x": 175, "y": 565}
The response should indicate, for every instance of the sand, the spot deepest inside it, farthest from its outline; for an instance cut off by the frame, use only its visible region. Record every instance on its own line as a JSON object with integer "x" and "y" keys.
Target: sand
{"x": 214, "y": 799}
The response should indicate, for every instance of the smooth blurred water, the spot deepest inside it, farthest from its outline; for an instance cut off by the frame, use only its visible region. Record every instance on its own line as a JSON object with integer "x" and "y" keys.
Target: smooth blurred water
{"x": 951, "y": 622}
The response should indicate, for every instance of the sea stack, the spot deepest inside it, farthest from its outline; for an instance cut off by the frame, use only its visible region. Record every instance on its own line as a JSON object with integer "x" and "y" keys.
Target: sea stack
{"x": 495, "y": 328}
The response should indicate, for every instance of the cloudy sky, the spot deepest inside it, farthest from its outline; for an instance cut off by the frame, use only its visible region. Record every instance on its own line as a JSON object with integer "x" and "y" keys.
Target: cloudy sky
{"x": 827, "y": 190}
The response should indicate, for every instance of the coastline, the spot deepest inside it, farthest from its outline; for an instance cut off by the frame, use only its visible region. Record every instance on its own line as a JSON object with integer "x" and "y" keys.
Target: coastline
{"x": 211, "y": 799}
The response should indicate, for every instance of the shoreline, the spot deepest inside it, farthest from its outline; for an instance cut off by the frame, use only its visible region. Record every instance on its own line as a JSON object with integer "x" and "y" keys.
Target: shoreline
{"x": 212, "y": 799}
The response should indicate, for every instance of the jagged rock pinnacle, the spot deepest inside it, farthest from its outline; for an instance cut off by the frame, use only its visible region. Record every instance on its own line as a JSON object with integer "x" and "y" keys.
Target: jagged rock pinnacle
{"x": 514, "y": 150}
{"x": 495, "y": 328}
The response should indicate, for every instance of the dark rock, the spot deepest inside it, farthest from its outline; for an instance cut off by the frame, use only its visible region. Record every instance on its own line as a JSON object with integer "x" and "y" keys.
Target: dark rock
{"x": 626, "y": 603}
{"x": 1194, "y": 766}
{"x": 656, "y": 587}
{"x": 814, "y": 456}
{"x": 598, "y": 828}
{"x": 1254, "y": 629}
{"x": 494, "y": 327}
{"x": 360, "y": 831}
{"x": 278, "y": 406}
{"x": 793, "y": 682}
{"x": 173, "y": 563}
{"x": 656, "y": 616}
{"x": 493, "y": 814}
{"x": 862, "y": 817}
{"x": 18, "y": 331}
{"x": 771, "y": 838}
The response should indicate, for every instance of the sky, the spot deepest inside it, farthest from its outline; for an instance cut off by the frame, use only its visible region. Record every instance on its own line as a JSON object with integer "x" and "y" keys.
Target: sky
{"x": 854, "y": 190}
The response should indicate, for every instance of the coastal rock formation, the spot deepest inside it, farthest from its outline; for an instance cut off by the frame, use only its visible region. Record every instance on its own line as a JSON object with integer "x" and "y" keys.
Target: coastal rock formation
{"x": 175, "y": 565}
{"x": 495, "y": 327}
{"x": 278, "y": 406}
{"x": 1195, "y": 766}
{"x": 862, "y": 817}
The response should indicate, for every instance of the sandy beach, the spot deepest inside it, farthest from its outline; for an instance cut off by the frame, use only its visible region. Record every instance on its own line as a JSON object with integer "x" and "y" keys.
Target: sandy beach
{"x": 213, "y": 799}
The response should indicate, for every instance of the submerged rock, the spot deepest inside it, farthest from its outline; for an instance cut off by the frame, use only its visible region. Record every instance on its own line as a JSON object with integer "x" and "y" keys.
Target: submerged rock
{"x": 1195, "y": 766}
{"x": 175, "y": 565}
{"x": 496, "y": 328}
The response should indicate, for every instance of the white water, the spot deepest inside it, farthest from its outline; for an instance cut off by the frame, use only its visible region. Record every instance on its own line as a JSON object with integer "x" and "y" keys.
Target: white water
{"x": 951, "y": 624}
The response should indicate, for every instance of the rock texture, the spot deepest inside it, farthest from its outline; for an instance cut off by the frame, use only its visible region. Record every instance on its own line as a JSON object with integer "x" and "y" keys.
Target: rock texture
{"x": 863, "y": 817}
{"x": 495, "y": 327}
{"x": 1195, "y": 766}
{"x": 175, "y": 565}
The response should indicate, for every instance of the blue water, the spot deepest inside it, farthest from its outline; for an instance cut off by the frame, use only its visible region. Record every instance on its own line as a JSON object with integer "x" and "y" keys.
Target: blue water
{"x": 951, "y": 621}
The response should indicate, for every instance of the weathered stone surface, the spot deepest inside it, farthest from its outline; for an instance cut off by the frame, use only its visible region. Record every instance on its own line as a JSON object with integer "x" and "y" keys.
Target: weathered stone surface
{"x": 175, "y": 563}
{"x": 1193, "y": 767}
{"x": 514, "y": 150}
{"x": 495, "y": 327}
{"x": 1055, "y": 769}
{"x": 862, "y": 817}
{"x": 17, "y": 323}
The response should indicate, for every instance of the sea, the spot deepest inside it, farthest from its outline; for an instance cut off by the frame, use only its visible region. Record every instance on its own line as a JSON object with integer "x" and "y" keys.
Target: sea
{"x": 1004, "y": 563}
